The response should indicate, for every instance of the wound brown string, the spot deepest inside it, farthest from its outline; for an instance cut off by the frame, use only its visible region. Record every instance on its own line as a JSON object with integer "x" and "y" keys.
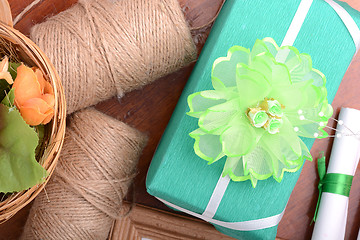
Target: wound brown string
{"x": 95, "y": 170}
{"x": 102, "y": 49}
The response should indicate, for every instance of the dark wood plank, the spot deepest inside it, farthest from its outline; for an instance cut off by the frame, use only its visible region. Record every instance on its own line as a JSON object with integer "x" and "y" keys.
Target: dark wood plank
{"x": 150, "y": 109}
{"x": 38, "y": 13}
{"x": 145, "y": 222}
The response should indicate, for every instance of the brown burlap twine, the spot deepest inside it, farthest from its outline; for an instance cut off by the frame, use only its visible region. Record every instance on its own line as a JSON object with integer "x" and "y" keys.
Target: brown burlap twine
{"x": 95, "y": 170}
{"x": 102, "y": 49}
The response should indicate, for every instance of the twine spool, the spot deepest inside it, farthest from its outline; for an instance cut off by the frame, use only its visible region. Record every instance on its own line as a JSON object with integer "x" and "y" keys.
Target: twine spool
{"x": 103, "y": 48}
{"x": 94, "y": 172}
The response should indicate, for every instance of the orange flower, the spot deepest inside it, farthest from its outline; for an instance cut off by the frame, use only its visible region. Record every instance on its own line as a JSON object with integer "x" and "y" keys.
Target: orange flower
{"x": 34, "y": 96}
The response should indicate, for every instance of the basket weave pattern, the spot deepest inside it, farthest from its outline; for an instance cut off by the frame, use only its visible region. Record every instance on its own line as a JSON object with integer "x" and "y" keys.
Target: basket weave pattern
{"x": 33, "y": 56}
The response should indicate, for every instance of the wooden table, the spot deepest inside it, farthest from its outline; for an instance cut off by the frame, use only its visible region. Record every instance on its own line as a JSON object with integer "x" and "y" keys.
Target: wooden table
{"x": 136, "y": 109}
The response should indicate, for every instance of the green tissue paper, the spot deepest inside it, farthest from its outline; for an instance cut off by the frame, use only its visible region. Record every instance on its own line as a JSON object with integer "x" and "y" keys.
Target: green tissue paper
{"x": 179, "y": 176}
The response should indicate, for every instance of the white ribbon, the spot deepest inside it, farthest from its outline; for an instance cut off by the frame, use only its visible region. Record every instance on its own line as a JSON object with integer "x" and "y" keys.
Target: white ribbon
{"x": 216, "y": 196}
{"x": 294, "y": 29}
{"x": 296, "y": 23}
{"x": 241, "y": 226}
{"x": 223, "y": 182}
{"x": 348, "y": 21}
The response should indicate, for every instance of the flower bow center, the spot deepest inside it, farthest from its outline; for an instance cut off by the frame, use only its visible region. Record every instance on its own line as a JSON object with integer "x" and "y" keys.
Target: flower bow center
{"x": 266, "y": 114}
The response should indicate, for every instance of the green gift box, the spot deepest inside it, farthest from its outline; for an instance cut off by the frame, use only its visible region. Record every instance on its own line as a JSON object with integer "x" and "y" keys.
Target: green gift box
{"x": 179, "y": 177}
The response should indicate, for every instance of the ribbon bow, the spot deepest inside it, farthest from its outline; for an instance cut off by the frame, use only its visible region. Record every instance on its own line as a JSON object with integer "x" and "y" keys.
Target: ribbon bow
{"x": 335, "y": 183}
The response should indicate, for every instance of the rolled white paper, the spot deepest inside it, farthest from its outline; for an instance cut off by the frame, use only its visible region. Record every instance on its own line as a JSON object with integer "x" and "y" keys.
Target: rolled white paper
{"x": 331, "y": 218}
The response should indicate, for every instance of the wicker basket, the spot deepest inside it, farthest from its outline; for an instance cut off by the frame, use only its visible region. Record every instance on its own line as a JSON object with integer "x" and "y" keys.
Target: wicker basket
{"x": 55, "y": 130}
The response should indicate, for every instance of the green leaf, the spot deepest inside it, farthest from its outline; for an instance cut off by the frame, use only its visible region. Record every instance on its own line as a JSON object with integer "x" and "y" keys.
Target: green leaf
{"x": 19, "y": 169}
{"x": 4, "y": 88}
{"x": 13, "y": 69}
{"x": 9, "y": 99}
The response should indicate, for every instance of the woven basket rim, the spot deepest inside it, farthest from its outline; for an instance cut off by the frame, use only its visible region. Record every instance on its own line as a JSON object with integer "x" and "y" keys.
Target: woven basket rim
{"x": 15, "y": 202}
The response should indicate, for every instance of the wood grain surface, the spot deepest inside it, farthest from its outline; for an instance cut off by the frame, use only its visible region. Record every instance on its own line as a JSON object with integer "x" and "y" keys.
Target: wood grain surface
{"x": 150, "y": 109}
{"x": 146, "y": 222}
{"x": 150, "y": 223}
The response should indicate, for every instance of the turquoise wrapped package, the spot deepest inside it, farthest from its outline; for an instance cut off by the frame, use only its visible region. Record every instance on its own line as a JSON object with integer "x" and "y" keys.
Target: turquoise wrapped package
{"x": 178, "y": 176}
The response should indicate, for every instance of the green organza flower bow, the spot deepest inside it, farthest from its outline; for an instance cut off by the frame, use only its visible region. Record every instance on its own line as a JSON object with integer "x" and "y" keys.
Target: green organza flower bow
{"x": 263, "y": 101}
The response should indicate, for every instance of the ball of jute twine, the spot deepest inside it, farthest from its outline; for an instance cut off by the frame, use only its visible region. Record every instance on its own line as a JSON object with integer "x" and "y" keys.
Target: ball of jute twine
{"x": 102, "y": 49}
{"x": 94, "y": 172}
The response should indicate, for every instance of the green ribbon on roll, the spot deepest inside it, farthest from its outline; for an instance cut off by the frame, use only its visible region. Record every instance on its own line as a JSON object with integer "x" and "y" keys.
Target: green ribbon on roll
{"x": 335, "y": 183}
